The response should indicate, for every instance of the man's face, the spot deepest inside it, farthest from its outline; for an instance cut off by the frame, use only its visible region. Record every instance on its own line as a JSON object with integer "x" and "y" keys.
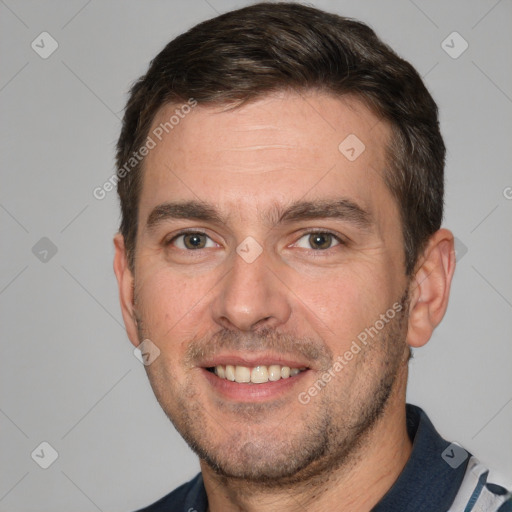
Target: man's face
{"x": 304, "y": 254}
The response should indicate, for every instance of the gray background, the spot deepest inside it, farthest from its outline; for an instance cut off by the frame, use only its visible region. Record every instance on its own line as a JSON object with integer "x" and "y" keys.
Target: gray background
{"x": 68, "y": 373}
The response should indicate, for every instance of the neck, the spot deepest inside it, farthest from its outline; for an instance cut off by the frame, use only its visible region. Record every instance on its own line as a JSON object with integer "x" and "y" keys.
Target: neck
{"x": 356, "y": 486}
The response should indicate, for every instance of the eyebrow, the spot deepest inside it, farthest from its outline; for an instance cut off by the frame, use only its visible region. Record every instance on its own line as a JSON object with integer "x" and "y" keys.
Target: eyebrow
{"x": 341, "y": 209}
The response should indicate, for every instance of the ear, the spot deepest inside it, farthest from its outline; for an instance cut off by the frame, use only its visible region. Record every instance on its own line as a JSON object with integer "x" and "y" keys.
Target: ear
{"x": 125, "y": 283}
{"x": 430, "y": 287}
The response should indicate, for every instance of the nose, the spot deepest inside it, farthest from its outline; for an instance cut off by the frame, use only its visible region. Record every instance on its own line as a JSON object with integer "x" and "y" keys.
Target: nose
{"x": 251, "y": 296}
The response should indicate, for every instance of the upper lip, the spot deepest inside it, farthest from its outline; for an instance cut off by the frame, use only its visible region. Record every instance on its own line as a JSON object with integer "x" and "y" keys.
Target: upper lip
{"x": 254, "y": 359}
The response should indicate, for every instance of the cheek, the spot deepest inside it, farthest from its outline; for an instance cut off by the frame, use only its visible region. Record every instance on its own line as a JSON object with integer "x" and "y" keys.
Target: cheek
{"x": 171, "y": 305}
{"x": 343, "y": 304}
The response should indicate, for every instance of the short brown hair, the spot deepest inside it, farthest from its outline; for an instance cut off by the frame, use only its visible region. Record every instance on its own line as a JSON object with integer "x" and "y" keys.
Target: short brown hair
{"x": 244, "y": 54}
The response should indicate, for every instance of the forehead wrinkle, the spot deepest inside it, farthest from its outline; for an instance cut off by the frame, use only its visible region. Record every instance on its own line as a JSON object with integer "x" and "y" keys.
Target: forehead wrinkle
{"x": 261, "y": 147}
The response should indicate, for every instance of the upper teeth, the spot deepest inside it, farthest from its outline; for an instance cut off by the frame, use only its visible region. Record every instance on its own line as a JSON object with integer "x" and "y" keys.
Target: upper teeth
{"x": 256, "y": 375}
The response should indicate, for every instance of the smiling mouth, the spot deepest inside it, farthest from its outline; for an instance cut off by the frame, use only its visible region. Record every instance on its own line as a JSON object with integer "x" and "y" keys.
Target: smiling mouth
{"x": 254, "y": 375}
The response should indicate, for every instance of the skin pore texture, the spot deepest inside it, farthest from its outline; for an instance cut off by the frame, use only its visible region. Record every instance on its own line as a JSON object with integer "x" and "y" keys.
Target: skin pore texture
{"x": 272, "y": 170}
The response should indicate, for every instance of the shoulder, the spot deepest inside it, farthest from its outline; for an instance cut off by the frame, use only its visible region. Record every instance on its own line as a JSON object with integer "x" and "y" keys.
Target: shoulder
{"x": 440, "y": 475}
{"x": 189, "y": 497}
{"x": 459, "y": 472}
{"x": 478, "y": 495}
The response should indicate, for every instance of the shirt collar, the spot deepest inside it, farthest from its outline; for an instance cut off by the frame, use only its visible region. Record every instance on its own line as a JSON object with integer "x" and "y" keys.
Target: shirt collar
{"x": 428, "y": 481}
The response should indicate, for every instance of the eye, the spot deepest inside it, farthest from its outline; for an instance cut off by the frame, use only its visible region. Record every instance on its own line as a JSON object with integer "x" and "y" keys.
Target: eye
{"x": 318, "y": 240}
{"x": 192, "y": 240}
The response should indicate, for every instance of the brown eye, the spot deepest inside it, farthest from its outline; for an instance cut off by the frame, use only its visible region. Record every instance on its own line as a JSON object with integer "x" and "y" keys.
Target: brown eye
{"x": 318, "y": 240}
{"x": 192, "y": 240}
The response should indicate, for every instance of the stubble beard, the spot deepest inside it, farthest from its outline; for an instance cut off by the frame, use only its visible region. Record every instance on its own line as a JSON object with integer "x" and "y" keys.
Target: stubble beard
{"x": 338, "y": 420}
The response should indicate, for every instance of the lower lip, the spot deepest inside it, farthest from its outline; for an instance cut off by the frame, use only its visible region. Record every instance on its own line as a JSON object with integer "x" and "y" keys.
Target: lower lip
{"x": 249, "y": 392}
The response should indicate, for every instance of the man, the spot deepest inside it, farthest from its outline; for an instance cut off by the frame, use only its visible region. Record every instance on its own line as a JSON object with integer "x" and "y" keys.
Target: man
{"x": 280, "y": 252}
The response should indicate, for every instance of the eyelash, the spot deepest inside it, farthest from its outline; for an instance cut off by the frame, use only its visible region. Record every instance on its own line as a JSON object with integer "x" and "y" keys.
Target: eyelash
{"x": 340, "y": 240}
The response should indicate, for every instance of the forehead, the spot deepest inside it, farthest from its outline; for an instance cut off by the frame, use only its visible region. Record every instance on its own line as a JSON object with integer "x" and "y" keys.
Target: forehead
{"x": 277, "y": 148}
